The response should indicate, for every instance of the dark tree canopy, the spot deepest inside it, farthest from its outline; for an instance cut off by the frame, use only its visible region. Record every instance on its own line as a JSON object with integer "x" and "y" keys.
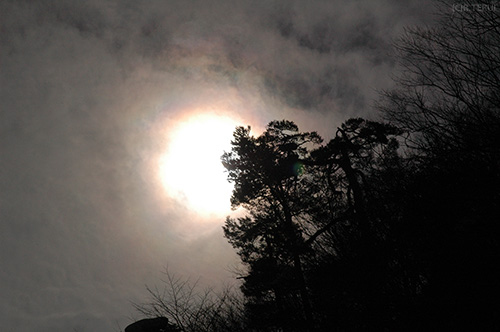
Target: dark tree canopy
{"x": 262, "y": 167}
{"x": 359, "y": 234}
{"x": 266, "y": 173}
{"x": 298, "y": 195}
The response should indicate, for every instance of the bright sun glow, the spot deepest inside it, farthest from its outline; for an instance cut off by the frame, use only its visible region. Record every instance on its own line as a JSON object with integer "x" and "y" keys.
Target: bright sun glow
{"x": 191, "y": 169}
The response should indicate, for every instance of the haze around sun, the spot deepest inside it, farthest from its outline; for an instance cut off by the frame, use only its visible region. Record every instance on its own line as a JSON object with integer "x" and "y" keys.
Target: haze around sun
{"x": 191, "y": 170}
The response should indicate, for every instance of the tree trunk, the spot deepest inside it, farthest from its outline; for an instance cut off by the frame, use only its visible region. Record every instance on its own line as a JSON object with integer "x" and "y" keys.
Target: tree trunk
{"x": 299, "y": 272}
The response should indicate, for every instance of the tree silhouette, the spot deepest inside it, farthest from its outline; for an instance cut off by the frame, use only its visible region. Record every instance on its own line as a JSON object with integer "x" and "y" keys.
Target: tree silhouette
{"x": 265, "y": 172}
{"x": 447, "y": 90}
{"x": 294, "y": 197}
{"x": 189, "y": 309}
{"x": 355, "y": 255}
{"x": 447, "y": 98}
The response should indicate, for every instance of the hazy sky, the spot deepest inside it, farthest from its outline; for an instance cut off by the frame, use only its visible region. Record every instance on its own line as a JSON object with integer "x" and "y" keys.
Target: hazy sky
{"x": 90, "y": 93}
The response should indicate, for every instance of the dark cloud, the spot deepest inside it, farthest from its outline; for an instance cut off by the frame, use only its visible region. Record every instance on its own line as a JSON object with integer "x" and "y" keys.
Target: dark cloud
{"x": 89, "y": 92}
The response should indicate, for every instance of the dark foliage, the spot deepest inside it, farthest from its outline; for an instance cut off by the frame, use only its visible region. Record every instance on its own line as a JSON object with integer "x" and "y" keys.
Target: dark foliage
{"x": 360, "y": 234}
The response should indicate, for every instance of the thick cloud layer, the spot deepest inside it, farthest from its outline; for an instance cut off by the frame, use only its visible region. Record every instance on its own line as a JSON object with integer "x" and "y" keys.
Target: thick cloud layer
{"x": 88, "y": 92}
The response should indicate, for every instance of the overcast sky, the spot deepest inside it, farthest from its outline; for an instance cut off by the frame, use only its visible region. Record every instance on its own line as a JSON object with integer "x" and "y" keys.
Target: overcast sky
{"x": 88, "y": 94}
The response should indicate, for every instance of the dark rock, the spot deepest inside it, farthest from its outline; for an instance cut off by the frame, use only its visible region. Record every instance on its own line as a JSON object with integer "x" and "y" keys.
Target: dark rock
{"x": 159, "y": 324}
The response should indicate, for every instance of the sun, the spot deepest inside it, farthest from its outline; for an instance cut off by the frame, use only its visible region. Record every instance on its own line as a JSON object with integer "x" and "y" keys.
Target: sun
{"x": 191, "y": 170}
